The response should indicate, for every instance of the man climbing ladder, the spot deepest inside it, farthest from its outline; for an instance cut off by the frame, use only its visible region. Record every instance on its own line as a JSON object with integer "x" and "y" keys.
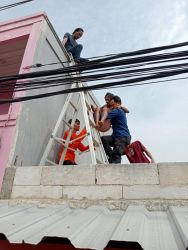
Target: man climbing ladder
{"x": 76, "y": 143}
{"x": 80, "y": 103}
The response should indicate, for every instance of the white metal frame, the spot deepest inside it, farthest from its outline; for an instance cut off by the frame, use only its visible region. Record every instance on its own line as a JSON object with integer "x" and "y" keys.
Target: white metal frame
{"x": 93, "y": 135}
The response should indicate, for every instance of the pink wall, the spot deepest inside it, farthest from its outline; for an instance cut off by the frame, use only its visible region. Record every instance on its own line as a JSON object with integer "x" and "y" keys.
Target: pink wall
{"x": 9, "y": 30}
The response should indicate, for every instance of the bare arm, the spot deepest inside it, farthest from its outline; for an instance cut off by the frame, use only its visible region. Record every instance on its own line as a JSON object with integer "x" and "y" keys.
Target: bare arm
{"x": 125, "y": 109}
{"x": 150, "y": 156}
{"x": 82, "y": 147}
{"x": 64, "y": 40}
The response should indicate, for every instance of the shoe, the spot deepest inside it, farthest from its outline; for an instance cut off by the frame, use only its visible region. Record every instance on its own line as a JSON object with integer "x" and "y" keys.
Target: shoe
{"x": 81, "y": 60}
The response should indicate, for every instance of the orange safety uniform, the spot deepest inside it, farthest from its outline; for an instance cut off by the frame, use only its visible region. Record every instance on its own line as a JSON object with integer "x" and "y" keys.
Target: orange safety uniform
{"x": 77, "y": 144}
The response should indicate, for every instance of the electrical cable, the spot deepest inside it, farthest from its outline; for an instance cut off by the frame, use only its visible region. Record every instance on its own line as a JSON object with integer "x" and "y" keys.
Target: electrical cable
{"x": 86, "y": 66}
{"x": 99, "y": 76}
{"x": 131, "y": 70}
{"x": 134, "y": 53}
{"x": 95, "y": 87}
{"x": 14, "y": 5}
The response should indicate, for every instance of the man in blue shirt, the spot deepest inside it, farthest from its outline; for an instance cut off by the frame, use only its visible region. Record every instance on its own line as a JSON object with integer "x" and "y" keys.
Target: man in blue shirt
{"x": 120, "y": 137}
{"x": 71, "y": 45}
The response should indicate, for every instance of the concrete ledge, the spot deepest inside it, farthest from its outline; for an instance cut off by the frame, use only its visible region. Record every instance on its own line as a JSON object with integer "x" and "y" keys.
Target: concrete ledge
{"x": 68, "y": 175}
{"x": 151, "y": 205}
{"x": 7, "y": 185}
{"x": 143, "y": 192}
{"x": 173, "y": 173}
{"x": 115, "y": 182}
{"x": 28, "y": 176}
{"x": 37, "y": 192}
{"x": 92, "y": 192}
{"x": 134, "y": 174}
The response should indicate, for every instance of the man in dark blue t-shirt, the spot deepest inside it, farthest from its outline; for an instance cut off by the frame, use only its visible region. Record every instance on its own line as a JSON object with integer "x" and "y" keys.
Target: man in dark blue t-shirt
{"x": 71, "y": 45}
{"x": 120, "y": 136}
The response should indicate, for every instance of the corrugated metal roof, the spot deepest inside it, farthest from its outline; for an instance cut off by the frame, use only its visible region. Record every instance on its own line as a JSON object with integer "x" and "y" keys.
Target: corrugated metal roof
{"x": 95, "y": 226}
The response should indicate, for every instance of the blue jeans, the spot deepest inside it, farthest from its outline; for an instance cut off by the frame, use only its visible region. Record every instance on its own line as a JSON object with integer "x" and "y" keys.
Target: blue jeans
{"x": 76, "y": 51}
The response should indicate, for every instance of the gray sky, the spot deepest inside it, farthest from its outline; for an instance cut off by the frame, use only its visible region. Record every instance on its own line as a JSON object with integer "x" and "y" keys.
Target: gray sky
{"x": 158, "y": 113}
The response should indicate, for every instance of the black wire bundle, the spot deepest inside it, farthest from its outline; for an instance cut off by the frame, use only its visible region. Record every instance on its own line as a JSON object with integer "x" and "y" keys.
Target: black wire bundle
{"x": 13, "y": 5}
{"x": 117, "y": 70}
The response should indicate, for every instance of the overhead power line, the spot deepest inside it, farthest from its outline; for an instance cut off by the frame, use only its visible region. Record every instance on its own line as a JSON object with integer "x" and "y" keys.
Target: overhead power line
{"x": 14, "y": 5}
{"x": 128, "y": 54}
{"x": 95, "y": 87}
{"x": 124, "y": 69}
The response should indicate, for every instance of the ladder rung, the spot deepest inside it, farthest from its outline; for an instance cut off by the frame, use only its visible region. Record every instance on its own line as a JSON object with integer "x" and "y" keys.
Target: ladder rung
{"x": 53, "y": 163}
{"x": 92, "y": 123}
{"x": 88, "y": 105}
{"x": 79, "y": 137}
{"x": 68, "y": 124}
{"x": 80, "y": 153}
{"x": 96, "y": 142}
{"x": 73, "y": 106}
{"x": 59, "y": 140}
{"x": 99, "y": 161}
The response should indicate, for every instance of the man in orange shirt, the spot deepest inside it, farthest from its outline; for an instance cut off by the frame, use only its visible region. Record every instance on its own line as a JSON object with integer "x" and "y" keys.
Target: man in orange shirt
{"x": 76, "y": 144}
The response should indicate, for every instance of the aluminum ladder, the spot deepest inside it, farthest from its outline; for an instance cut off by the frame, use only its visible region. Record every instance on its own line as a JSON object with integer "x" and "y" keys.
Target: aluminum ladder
{"x": 83, "y": 104}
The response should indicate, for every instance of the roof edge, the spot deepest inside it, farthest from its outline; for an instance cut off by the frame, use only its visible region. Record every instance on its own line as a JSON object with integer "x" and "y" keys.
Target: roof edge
{"x": 15, "y": 20}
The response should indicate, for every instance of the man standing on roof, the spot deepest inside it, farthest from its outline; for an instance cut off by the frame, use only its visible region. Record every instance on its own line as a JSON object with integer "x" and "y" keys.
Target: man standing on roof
{"x": 75, "y": 145}
{"x": 120, "y": 137}
{"x": 137, "y": 153}
{"x": 71, "y": 45}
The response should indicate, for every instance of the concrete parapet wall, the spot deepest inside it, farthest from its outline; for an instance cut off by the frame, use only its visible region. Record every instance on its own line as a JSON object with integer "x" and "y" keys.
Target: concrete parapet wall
{"x": 28, "y": 176}
{"x": 136, "y": 182}
{"x": 68, "y": 175}
{"x": 97, "y": 192}
{"x": 6, "y": 189}
{"x": 155, "y": 192}
{"x": 34, "y": 192}
{"x": 134, "y": 174}
{"x": 173, "y": 173}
